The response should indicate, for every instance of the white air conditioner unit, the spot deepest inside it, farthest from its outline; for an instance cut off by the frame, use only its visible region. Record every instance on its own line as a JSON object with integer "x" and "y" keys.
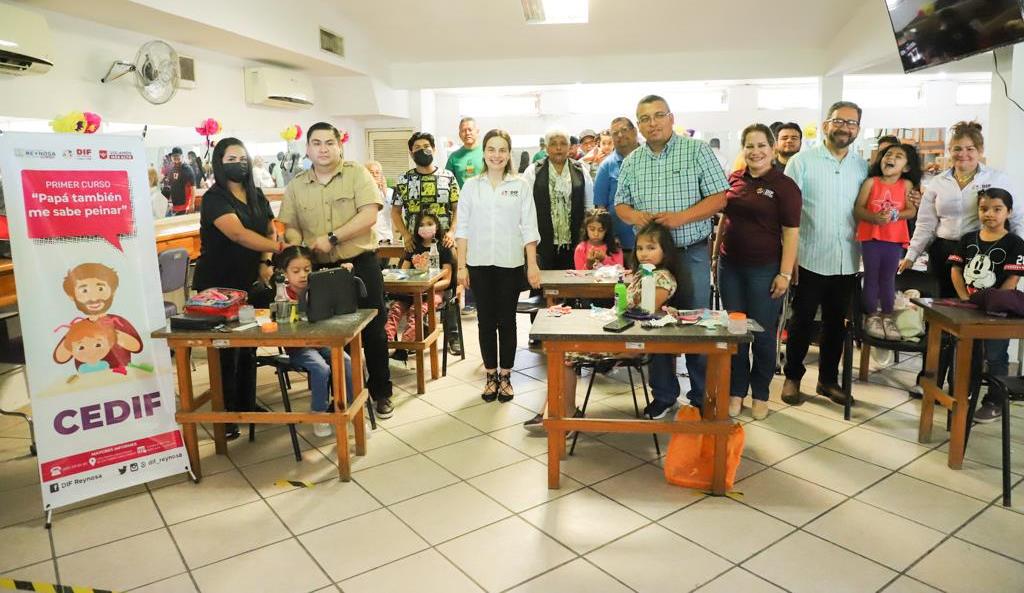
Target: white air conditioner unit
{"x": 275, "y": 87}
{"x": 25, "y": 46}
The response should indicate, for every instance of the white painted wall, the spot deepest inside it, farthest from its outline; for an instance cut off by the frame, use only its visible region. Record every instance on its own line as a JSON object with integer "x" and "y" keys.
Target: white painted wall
{"x": 83, "y": 50}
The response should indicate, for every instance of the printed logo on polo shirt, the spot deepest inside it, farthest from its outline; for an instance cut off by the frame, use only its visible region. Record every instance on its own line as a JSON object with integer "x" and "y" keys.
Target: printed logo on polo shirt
{"x": 510, "y": 193}
{"x": 768, "y": 193}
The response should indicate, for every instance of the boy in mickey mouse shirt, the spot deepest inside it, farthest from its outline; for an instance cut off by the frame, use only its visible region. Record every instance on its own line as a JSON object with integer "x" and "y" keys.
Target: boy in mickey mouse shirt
{"x": 990, "y": 257}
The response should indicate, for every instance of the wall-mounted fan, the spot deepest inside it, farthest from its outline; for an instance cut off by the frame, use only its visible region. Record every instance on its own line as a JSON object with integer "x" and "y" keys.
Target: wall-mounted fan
{"x": 156, "y": 71}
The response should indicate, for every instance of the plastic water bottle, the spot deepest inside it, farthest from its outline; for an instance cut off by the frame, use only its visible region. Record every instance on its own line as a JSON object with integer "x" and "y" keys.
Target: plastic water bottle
{"x": 647, "y": 288}
{"x": 621, "y": 296}
{"x": 282, "y": 304}
{"x": 435, "y": 258}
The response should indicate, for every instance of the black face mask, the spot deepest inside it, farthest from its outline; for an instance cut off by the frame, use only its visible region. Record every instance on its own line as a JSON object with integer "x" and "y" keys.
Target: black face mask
{"x": 423, "y": 157}
{"x": 236, "y": 172}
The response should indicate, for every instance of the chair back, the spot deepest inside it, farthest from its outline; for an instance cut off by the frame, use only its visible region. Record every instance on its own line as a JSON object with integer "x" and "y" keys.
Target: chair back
{"x": 173, "y": 269}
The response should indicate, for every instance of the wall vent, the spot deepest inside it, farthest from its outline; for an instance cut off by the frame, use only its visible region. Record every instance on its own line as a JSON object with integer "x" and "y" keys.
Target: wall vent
{"x": 332, "y": 43}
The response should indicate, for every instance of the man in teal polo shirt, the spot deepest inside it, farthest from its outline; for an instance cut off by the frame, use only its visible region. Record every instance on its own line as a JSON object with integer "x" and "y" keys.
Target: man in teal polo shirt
{"x": 829, "y": 177}
{"x": 675, "y": 181}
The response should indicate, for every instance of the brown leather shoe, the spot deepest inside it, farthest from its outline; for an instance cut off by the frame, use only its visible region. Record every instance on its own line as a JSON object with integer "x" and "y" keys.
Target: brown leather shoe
{"x": 791, "y": 393}
{"x": 834, "y": 393}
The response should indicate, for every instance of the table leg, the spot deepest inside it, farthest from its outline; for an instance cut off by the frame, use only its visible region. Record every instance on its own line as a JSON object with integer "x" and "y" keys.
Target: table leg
{"x": 931, "y": 369}
{"x": 216, "y": 398}
{"x": 417, "y": 308}
{"x": 717, "y": 390}
{"x": 185, "y": 397}
{"x": 435, "y": 366}
{"x": 556, "y": 438}
{"x": 341, "y": 405}
{"x": 359, "y": 421}
{"x": 961, "y": 389}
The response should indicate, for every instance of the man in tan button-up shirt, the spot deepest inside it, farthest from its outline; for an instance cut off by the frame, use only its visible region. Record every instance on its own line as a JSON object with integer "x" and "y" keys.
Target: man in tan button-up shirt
{"x": 332, "y": 209}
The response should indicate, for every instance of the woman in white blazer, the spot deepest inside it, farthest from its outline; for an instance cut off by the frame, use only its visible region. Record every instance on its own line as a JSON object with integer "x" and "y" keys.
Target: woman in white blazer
{"x": 497, "y": 237}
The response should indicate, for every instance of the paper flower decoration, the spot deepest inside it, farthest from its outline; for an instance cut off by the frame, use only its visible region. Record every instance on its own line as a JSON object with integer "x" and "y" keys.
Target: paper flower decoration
{"x": 77, "y": 122}
{"x": 810, "y": 131}
{"x": 344, "y": 136}
{"x": 208, "y": 127}
{"x": 292, "y": 133}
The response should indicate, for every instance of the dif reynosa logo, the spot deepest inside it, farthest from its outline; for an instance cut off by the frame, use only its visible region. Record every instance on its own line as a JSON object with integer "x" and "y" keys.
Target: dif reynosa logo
{"x": 33, "y": 153}
{"x": 116, "y": 155}
{"x": 81, "y": 154}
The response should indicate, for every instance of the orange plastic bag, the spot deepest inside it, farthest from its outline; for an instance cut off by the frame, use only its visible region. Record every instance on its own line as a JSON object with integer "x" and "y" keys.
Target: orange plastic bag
{"x": 690, "y": 461}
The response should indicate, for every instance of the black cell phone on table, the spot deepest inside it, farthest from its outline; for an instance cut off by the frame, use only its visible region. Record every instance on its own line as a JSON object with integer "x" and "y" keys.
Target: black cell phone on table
{"x": 619, "y": 325}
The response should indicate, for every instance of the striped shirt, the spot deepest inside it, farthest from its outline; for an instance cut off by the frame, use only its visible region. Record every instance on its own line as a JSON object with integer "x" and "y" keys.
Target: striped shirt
{"x": 684, "y": 173}
{"x": 828, "y": 244}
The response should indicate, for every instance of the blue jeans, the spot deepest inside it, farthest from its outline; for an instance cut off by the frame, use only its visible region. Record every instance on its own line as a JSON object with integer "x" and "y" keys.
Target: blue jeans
{"x": 746, "y": 289}
{"x": 693, "y": 278}
{"x": 316, "y": 362}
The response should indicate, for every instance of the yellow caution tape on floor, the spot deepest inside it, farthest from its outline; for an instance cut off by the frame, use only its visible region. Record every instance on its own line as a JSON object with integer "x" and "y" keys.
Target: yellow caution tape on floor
{"x": 293, "y": 483}
{"x": 16, "y": 585}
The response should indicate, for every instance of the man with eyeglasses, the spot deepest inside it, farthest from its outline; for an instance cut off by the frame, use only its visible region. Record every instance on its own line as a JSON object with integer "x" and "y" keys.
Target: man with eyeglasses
{"x": 675, "y": 181}
{"x": 829, "y": 177}
{"x": 606, "y": 181}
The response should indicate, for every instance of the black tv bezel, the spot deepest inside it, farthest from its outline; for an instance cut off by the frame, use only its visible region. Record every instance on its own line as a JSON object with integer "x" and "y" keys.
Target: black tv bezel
{"x": 895, "y": 35}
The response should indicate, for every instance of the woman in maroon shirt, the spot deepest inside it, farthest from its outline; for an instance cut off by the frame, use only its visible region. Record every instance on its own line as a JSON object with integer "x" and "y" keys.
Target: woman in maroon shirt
{"x": 755, "y": 253}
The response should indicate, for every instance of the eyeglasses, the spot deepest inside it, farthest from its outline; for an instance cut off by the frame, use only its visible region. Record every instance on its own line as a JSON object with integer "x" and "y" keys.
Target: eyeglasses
{"x": 844, "y": 123}
{"x": 659, "y": 116}
{"x": 621, "y": 132}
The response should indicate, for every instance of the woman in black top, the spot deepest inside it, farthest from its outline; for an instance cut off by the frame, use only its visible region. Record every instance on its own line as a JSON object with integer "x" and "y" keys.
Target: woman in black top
{"x": 237, "y": 236}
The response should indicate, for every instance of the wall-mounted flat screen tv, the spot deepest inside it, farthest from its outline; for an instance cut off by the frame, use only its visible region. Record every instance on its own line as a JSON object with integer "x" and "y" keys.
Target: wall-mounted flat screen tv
{"x": 932, "y": 32}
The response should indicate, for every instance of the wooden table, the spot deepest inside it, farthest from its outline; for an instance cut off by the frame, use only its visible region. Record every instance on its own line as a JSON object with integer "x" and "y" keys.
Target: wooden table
{"x": 416, "y": 287}
{"x": 968, "y": 325}
{"x": 333, "y": 333}
{"x": 389, "y": 252}
{"x": 580, "y": 332}
{"x": 8, "y": 292}
{"x": 560, "y": 284}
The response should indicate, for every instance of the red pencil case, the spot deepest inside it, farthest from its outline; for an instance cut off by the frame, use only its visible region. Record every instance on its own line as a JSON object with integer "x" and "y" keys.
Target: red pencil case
{"x": 221, "y": 302}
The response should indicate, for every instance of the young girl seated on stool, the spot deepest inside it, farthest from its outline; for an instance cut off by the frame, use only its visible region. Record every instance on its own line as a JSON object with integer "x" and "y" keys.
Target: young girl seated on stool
{"x": 654, "y": 245}
{"x": 297, "y": 263}
{"x": 990, "y": 257}
{"x": 428, "y": 229}
{"x": 598, "y": 245}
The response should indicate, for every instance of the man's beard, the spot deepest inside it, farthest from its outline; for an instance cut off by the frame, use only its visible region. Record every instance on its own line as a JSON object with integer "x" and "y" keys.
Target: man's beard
{"x": 840, "y": 142}
{"x": 786, "y": 154}
{"x": 82, "y": 307}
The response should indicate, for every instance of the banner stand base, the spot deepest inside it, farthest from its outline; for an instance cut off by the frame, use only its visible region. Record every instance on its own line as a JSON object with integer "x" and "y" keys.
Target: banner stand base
{"x": 49, "y": 519}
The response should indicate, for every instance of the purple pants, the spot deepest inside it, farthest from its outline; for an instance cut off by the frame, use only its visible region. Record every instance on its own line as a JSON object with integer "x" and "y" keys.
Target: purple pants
{"x": 881, "y": 260}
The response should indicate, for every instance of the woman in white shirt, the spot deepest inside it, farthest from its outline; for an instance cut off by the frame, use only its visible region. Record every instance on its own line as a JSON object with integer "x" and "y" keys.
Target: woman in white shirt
{"x": 949, "y": 207}
{"x": 383, "y": 225}
{"x": 496, "y": 223}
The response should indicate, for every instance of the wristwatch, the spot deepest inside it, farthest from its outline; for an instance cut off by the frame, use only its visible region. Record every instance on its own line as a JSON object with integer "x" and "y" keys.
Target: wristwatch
{"x": 332, "y": 238}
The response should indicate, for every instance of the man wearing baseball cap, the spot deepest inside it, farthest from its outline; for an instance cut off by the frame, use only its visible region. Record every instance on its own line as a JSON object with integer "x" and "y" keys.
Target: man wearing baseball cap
{"x": 588, "y": 140}
{"x": 179, "y": 184}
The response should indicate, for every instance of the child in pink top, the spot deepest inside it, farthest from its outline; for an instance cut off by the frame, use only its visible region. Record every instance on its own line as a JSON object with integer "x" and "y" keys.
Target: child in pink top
{"x": 882, "y": 210}
{"x": 598, "y": 246}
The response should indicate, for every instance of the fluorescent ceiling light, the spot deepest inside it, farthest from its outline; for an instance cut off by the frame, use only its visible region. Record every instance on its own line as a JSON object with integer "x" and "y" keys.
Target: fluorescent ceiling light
{"x": 553, "y": 12}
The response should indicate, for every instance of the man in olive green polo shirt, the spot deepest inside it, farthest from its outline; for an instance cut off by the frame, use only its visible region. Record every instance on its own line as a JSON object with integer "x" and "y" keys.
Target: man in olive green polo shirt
{"x": 332, "y": 208}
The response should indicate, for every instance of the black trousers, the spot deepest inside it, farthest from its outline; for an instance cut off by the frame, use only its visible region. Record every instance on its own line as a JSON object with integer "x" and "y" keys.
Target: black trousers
{"x": 561, "y": 257}
{"x": 366, "y": 266}
{"x": 238, "y": 378}
{"x": 938, "y": 266}
{"x": 832, "y": 294}
{"x": 497, "y": 292}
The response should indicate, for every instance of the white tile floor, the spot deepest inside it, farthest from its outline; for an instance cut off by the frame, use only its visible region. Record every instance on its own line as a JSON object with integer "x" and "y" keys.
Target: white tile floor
{"x": 453, "y": 498}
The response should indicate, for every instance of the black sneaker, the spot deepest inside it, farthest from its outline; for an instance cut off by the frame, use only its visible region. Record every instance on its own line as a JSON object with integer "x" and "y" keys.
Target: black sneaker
{"x": 455, "y": 346}
{"x": 535, "y": 424}
{"x": 657, "y": 410}
{"x": 988, "y": 412}
{"x": 384, "y": 408}
{"x": 400, "y": 355}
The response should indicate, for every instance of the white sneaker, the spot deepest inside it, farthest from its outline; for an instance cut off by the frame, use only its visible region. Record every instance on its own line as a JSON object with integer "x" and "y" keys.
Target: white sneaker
{"x": 322, "y": 430}
{"x": 892, "y": 333}
{"x": 873, "y": 327}
{"x": 735, "y": 406}
{"x": 759, "y": 409}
